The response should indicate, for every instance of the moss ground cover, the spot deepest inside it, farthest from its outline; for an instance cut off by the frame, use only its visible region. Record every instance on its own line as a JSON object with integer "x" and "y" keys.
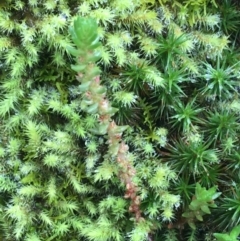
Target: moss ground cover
{"x": 165, "y": 75}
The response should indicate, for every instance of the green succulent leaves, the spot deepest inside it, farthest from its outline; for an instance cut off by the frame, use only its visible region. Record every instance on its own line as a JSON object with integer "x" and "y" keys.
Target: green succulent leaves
{"x": 204, "y": 198}
{"x": 200, "y": 204}
{"x": 233, "y": 236}
{"x": 84, "y": 34}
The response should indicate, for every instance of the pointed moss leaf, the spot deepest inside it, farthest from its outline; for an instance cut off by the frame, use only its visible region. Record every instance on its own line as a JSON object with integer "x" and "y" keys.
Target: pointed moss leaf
{"x": 45, "y": 218}
{"x": 235, "y": 232}
{"x": 205, "y": 209}
{"x": 92, "y": 109}
{"x": 78, "y": 68}
{"x": 31, "y": 177}
{"x": 223, "y": 237}
{"x": 32, "y": 237}
{"x": 29, "y": 190}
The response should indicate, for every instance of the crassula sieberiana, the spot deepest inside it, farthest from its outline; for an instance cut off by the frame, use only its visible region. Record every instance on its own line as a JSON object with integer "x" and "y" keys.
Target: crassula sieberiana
{"x": 94, "y": 101}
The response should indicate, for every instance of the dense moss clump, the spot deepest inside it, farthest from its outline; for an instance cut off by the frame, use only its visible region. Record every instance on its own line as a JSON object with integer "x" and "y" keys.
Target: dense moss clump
{"x": 119, "y": 120}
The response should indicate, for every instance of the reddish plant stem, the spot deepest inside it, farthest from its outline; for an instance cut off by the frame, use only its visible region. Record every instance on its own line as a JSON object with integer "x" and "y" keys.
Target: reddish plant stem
{"x": 117, "y": 146}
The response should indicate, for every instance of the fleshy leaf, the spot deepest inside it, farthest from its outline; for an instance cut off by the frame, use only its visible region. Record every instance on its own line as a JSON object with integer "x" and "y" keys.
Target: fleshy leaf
{"x": 222, "y": 237}
{"x": 205, "y": 209}
{"x": 235, "y": 232}
{"x": 78, "y": 68}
